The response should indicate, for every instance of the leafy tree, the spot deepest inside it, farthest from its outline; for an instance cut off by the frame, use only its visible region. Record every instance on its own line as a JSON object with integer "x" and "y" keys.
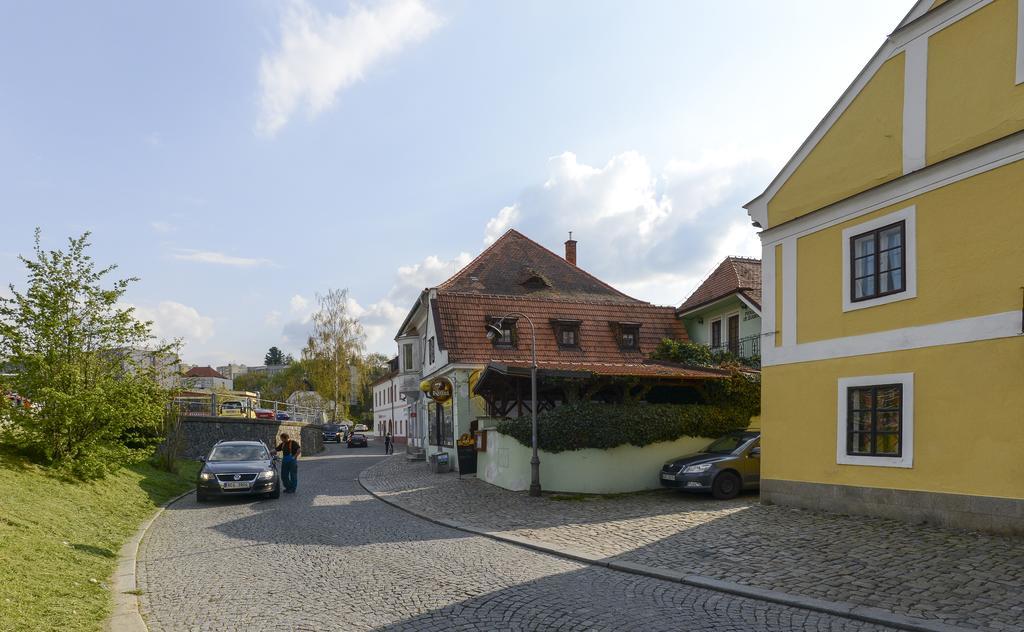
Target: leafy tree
{"x": 93, "y": 407}
{"x": 274, "y": 357}
{"x": 335, "y": 345}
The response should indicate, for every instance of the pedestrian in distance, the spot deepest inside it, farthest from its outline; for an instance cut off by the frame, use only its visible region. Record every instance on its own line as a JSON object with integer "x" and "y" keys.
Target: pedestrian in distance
{"x": 289, "y": 463}
{"x": 389, "y": 444}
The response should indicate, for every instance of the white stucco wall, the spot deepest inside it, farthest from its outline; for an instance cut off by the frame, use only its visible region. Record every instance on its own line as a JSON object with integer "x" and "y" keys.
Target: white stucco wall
{"x": 506, "y": 463}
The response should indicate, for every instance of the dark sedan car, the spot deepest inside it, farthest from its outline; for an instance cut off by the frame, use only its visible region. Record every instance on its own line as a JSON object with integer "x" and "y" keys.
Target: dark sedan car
{"x": 238, "y": 468}
{"x": 729, "y": 465}
{"x": 357, "y": 440}
{"x": 333, "y": 432}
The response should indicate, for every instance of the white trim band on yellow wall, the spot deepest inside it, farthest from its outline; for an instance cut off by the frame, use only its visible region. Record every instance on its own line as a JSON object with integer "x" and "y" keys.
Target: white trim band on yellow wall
{"x": 1020, "y": 42}
{"x": 950, "y": 171}
{"x": 991, "y": 327}
{"x": 915, "y": 103}
{"x": 789, "y": 264}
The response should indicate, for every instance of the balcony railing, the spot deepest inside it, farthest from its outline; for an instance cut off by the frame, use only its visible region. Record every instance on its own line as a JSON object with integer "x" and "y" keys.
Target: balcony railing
{"x": 748, "y": 348}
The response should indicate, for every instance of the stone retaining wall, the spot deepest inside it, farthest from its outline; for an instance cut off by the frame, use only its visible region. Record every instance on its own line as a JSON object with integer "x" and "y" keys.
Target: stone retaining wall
{"x": 201, "y": 433}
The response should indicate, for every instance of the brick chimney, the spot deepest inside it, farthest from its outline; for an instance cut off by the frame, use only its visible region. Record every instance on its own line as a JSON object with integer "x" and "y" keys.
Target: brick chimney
{"x": 570, "y": 249}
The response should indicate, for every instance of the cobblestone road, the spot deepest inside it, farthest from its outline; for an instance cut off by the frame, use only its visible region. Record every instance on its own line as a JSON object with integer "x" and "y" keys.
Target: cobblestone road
{"x": 961, "y": 578}
{"x": 331, "y": 557}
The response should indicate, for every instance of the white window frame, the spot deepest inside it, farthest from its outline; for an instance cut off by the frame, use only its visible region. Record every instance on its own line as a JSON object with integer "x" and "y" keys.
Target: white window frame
{"x": 908, "y": 216}
{"x": 906, "y": 458}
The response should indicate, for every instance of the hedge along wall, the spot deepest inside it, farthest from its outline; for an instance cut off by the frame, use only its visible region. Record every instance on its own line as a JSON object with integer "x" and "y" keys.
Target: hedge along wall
{"x": 626, "y": 468}
{"x": 605, "y": 426}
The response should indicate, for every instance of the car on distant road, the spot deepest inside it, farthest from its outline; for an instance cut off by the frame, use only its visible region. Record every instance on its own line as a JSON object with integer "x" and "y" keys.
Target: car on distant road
{"x": 265, "y": 413}
{"x": 357, "y": 440}
{"x": 234, "y": 408}
{"x": 238, "y": 468}
{"x": 283, "y": 416}
{"x": 360, "y": 428}
{"x": 725, "y": 467}
{"x": 333, "y": 432}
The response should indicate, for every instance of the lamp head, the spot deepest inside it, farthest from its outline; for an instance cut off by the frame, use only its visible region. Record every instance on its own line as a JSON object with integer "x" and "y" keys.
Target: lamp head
{"x": 494, "y": 331}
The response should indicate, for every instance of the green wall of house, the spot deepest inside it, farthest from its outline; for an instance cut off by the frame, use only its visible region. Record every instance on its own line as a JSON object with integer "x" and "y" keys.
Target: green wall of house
{"x": 698, "y": 324}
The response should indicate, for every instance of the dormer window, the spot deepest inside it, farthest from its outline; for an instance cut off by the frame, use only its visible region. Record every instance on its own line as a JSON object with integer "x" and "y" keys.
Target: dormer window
{"x": 533, "y": 280}
{"x": 627, "y": 335}
{"x": 567, "y": 333}
{"x": 508, "y": 338}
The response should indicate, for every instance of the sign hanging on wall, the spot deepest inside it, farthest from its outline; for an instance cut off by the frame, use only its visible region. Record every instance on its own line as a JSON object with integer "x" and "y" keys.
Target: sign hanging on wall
{"x": 438, "y": 389}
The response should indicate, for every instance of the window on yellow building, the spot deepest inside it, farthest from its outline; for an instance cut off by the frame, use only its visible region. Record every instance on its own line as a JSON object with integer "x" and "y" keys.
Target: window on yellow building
{"x": 878, "y": 262}
{"x": 874, "y": 420}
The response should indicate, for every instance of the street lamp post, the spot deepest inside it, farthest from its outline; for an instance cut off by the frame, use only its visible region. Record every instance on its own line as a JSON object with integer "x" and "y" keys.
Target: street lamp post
{"x": 493, "y": 330}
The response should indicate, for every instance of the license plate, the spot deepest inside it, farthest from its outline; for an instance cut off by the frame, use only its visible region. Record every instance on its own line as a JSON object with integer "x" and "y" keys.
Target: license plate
{"x": 235, "y": 485}
{"x": 668, "y": 477}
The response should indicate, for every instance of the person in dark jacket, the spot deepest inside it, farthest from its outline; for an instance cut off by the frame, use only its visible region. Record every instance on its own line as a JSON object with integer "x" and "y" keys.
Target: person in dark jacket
{"x": 389, "y": 444}
{"x": 289, "y": 462}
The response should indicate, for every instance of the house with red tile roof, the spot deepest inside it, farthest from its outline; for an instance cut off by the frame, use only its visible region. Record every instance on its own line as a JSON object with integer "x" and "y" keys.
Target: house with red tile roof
{"x": 208, "y": 379}
{"x": 586, "y": 334}
{"x": 724, "y": 312}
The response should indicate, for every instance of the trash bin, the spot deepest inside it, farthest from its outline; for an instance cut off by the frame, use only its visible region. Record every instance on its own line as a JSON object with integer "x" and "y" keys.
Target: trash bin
{"x": 439, "y": 463}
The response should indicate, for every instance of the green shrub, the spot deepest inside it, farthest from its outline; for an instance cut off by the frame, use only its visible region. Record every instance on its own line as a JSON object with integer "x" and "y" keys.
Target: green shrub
{"x": 603, "y": 426}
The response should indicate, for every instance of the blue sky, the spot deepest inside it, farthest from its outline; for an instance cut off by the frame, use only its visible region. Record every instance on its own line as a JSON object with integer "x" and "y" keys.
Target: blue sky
{"x": 241, "y": 156}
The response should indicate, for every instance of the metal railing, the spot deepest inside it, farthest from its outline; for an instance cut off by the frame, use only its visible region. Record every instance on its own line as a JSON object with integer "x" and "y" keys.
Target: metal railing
{"x": 748, "y": 348}
{"x": 235, "y": 406}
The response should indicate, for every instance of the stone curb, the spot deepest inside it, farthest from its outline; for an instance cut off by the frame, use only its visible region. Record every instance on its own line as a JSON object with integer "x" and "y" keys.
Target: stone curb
{"x": 837, "y": 608}
{"x": 126, "y": 616}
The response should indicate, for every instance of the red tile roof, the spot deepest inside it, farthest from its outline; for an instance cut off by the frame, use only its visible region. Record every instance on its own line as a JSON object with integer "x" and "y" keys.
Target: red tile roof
{"x": 515, "y": 265}
{"x": 204, "y": 371}
{"x": 464, "y": 318}
{"x": 646, "y": 368}
{"x": 735, "y": 275}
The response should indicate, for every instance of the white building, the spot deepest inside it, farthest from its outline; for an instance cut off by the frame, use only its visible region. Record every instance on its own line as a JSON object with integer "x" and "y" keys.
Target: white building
{"x": 390, "y": 413}
{"x": 231, "y": 371}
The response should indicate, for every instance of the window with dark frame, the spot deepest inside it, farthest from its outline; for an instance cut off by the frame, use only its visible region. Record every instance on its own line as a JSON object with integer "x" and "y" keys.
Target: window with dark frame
{"x": 629, "y": 337}
{"x": 874, "y": 420}
{"x": 878, "y": 262}
{"x": 430, "y": 349}
{"x": 567, "y": 335}
{"x": 716, "y": 334}
{"x": 507, "y": 339}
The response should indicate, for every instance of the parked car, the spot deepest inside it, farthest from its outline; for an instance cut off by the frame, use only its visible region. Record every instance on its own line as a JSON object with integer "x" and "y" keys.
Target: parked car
{"x": 265, "y": 413}
{"x": 727, "y": 466}
{"x": 333, "y": 432}
{"x": 361, "y": 428}
{"x": 357, "y": 440}
{"x": 235, "y": 408}
{"x": 238, "y": 468}
{"x": 283, "y": 416}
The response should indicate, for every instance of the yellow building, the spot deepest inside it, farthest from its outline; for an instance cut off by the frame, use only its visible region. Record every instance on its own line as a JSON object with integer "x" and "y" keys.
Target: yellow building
{"x": 893, "y": 266}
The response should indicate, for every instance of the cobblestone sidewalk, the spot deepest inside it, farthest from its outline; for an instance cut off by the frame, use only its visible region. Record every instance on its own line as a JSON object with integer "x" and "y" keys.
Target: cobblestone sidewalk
{"x": 955, "y": 577}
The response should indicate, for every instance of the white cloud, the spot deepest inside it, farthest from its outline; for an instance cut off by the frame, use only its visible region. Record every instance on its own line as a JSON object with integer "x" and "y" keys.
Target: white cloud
{"x": 497, "y": 225}
{"x": 321, "y": 54}
{"x": 652, "y": 233}
{"x": 175, "y": 320}
{"x": 299, "y": 304}
{"x": 219, "y": 258}
{"x": 382, "y": 318}
{"x": 162, "y": 226}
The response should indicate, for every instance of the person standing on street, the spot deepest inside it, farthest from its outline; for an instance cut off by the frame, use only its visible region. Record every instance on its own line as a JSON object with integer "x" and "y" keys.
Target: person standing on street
{"x": 289, "y": 463}
{"x": 389, "y": 447}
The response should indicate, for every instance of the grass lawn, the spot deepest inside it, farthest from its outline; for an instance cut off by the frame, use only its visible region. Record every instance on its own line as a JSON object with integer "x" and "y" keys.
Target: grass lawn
{"x": 59, "y": 540}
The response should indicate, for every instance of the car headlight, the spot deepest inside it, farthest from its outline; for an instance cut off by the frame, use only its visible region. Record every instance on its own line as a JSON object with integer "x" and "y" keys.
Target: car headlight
{"x": 267, "y": 474}
{"x": 207, "y": 476}
{"x": 696, "y": 469}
